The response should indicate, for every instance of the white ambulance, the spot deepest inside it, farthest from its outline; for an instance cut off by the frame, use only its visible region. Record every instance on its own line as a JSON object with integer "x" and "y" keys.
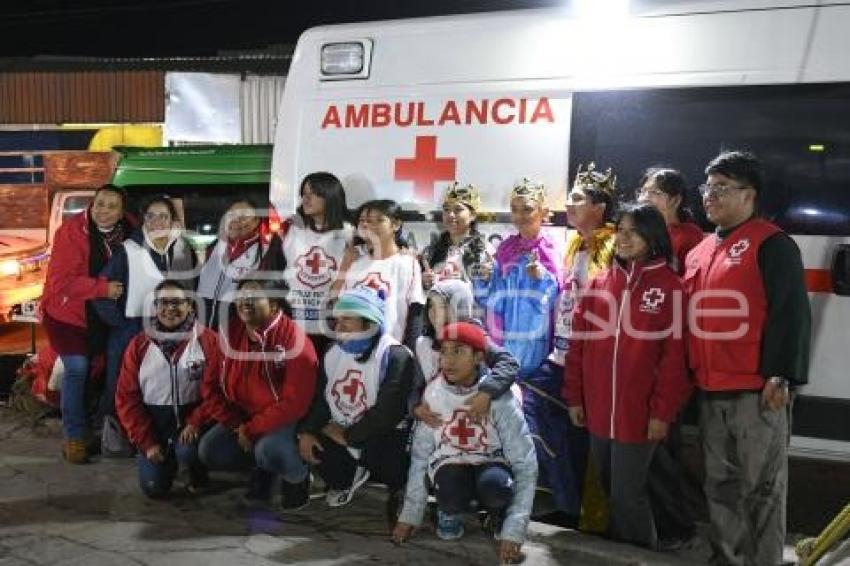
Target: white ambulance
{"x": 399, "y": 109}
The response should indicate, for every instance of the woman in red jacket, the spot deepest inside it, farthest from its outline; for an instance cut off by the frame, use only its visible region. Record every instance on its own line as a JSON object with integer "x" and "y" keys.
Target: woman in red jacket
{"x": 626, "y": 378}
{"x": 158, "y": 396}
{"x": 666, "y": 190}
{"x": 264, "y": 387}
{"x": 81, "y": 247}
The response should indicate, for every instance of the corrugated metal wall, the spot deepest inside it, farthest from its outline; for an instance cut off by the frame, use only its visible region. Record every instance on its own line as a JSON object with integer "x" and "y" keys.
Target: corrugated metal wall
{"x": 82, "y": 97}
{"x": 261, "y": 98}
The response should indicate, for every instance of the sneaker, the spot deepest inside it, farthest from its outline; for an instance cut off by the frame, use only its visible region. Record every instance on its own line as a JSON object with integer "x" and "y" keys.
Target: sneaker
{"x": 295, "y": 496}
{"x": 340, "y": 497}
{"x": 259, "y": 485}
{"x": 74, "y": 451}
{"x": 449, "y": 527}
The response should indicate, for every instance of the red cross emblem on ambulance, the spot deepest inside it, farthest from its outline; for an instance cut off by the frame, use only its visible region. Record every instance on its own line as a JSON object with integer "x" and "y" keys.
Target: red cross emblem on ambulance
{"x": 425, "y": 168}
{"x": 463, "y": 433}
{"x": 375, "y": 281}
{"x": 315, "y": 268}
{"x": 349, "y": 394}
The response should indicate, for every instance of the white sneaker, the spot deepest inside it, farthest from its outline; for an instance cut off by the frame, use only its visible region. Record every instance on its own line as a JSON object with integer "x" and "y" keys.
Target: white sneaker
{"x": 340, "y": 497}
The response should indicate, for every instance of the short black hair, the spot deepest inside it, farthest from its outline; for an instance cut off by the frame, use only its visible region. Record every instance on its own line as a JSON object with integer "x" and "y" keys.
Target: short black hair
{"x": 326, "y": 186}
{"x": 650, "y": 226}
{"x": 741, "y": 166}
{"x": 672, "y": 183}
{"x": 170, "y": 284}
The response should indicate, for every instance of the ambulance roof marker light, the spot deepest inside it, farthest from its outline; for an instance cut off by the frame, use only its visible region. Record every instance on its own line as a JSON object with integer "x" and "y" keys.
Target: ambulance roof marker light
{"x": 345, "y": 60}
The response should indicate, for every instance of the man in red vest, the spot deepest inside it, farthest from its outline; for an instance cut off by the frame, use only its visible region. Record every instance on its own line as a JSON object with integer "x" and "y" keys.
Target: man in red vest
{"x": 750, "y": 325}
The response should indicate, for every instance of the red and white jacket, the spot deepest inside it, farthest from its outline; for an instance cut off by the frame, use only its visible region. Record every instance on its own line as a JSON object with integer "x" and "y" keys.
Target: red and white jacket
{"x": 626, "y": 360}
{"x": 266, "y": 381}
{"x": 149, "y": 379}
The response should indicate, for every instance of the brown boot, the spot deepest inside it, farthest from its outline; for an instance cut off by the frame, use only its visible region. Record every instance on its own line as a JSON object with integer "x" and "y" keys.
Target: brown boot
{"x": 74, "y": 450}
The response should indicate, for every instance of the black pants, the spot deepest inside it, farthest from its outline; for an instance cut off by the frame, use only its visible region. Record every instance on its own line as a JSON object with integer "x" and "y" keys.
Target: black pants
{"x": 457, "y": 485}
{"x": 385, "y": 456}
{"x": 669, "y": 491}
{"x": 623, "y": 469}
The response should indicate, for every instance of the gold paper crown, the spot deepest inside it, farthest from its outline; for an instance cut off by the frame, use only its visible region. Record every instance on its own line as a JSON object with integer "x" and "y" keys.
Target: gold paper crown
{"x": 605, "y": 182}
{"x": 464, "y": 194}
{"x": 527, "y": 188}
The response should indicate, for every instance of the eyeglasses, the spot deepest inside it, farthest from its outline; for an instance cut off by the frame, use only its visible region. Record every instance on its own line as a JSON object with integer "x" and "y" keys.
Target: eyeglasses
{"x": 164, "y": 303}
{"x": 718, "y": 190}
{"x": 153, "y": 216}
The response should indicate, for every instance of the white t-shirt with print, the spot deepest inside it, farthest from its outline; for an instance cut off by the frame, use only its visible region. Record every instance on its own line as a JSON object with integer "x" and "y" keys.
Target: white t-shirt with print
{"x": 399, "y": 277}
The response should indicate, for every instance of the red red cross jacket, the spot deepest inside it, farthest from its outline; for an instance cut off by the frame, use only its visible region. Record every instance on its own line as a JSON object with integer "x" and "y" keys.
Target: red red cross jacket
{"x": 149, "y": 382}
{"x": 626, "y": 358}
{"x": 266, "y": 382}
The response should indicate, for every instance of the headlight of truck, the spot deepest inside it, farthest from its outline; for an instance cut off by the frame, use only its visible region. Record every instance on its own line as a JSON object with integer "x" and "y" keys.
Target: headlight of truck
{"x": 10, "y": 268}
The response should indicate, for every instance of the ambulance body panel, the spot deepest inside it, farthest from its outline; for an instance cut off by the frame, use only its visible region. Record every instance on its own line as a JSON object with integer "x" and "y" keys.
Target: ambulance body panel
{"x": 491, "y": 98}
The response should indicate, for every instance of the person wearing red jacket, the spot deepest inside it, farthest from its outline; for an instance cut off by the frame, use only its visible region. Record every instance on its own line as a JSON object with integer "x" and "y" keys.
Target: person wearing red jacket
{"x": 158, "y": 396}
{"x": 625, "y": 377}
{"x": 264, "y": 387}
{"x": 667, "y": 190}
{"x": 749, "y": 340}
{"x": 81, "y": 247}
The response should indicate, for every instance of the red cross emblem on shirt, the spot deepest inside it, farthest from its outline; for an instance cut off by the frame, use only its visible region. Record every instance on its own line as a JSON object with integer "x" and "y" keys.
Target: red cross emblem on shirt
{"x": 348, "y": 395}
{"x": 425, "y": 168}
{"x": 375, "y": 280}
{"x": 463, "y": 433}
{"x": 739, "y": 247}
{"x": 315, "y": 268}
{"x": 652, "y": 298}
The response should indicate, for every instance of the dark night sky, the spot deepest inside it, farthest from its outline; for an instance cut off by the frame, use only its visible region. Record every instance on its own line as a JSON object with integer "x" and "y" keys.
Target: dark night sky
{"x": 132, "y": 28}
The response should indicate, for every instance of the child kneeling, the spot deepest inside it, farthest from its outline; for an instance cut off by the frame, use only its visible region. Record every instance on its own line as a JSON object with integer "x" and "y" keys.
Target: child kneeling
{"x": 491, "y": 461}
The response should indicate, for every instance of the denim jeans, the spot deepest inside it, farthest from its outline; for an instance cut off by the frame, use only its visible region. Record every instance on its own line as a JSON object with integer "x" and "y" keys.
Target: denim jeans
{"x": 155, "y": 480}
{"x": 116, "y": 344}
{"x": 276, "y": 452}
{"x": 73, "y": 395}
{"x": 457, "y": 485}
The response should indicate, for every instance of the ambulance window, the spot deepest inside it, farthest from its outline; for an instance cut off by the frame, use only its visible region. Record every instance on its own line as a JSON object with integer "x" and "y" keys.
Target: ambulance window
{"x": 800, "y": 132}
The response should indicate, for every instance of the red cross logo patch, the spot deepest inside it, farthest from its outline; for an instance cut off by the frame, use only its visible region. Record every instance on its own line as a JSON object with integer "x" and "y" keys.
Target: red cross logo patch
{"x": 425, "y": 168}
{"x": 375, "y": 280}
{"x": 349, "y": 394}
{"x": 315, "y": 268}
{"x": 463, "y": 433}
{"x": 652, "y": 300}
{"x": 739, "y": 247}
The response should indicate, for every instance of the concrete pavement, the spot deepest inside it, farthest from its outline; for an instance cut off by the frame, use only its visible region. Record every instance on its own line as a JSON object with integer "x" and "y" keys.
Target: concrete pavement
{"x": 55, "y": 513}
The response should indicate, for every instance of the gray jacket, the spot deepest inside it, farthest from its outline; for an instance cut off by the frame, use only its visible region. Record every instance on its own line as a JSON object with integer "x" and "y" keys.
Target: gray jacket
{"x": 509, "y": 422}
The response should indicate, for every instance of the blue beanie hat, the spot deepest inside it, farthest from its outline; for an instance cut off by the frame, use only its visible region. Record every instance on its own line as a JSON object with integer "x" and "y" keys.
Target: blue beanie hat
{"x": 364, "y": 302}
